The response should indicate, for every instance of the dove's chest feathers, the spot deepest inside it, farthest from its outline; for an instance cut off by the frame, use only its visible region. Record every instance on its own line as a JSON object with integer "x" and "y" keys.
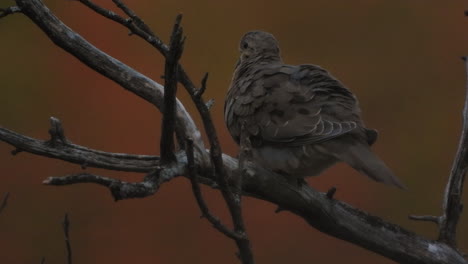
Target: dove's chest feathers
{"x": 245, "y": 95}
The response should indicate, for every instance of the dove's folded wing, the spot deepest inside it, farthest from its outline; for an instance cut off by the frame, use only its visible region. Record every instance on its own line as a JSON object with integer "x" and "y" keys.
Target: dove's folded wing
{"x": 294, "y": 105}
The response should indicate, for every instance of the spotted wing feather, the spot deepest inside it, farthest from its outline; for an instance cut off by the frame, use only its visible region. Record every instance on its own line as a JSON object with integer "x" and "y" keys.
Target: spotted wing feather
{"x": 291, "y": 105}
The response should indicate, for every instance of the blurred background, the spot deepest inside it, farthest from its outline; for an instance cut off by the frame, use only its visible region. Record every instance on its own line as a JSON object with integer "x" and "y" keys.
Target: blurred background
{"x": 401, "y": 58}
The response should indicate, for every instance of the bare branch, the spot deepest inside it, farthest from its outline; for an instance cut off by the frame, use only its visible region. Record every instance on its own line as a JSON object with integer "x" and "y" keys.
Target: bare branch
{"x": 202, "y": 89}
{"x": 426, "y": 218}
{"x": 452, "y": 206}
{"x": 106, "y": 13}
{"x": 121, "y": 190}
{"x": 109, "y": 67}
{"x": 170, "y": 90}
{"x": 66, "y": 228}
{"x": 149, "y": 37}
{"x": 136, "y": 26}
{"x": 16, "y": 151}
{"x": 191, "y": 168}
{"x": 79, "y": 154}
{"x": 135, "y": 18}
{"x": 142, "y": 31}
{"x": 4, "y": 201}
{"x": 57, "y": 134}
{"x": 233, "y": 202}
{"x": 332, "y": 217}
{"x": 9, "y": 10}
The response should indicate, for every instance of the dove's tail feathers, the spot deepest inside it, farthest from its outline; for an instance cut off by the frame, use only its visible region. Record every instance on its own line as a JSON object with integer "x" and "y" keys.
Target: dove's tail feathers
{"x": 361, "y": 158}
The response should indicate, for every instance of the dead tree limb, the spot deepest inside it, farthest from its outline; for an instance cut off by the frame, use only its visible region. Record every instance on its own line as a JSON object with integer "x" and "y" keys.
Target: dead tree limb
{"x": 199, "y": 197}
{"x": 451, "y": 205}
{"x": 453, "y": 192}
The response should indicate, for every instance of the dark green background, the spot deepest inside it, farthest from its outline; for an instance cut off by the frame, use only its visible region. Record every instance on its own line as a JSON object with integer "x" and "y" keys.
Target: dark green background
{"x": 401, "y": 58}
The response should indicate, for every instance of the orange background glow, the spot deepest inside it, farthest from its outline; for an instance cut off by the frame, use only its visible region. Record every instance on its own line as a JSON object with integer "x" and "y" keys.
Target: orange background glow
{"x": 401, "y": 58}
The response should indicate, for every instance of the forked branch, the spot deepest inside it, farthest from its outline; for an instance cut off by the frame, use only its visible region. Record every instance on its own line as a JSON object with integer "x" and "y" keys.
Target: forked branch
{"x": 452, "y": 206}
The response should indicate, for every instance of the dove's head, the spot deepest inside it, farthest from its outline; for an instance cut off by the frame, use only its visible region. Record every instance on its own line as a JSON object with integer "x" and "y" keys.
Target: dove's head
{"x": 256, "y": 44}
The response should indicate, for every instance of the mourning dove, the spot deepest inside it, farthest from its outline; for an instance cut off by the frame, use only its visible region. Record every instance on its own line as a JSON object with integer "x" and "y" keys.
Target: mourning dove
{"x": 299, "y": 118}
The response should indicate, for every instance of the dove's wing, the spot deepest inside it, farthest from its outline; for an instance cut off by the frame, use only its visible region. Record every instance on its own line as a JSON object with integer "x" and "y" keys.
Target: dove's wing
{"x": 293, "y": 106}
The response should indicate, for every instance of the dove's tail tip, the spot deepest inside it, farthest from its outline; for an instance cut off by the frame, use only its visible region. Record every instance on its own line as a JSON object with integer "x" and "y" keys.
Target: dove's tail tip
{"x": 383, "y": 174}
{"x": 361, "y": 158}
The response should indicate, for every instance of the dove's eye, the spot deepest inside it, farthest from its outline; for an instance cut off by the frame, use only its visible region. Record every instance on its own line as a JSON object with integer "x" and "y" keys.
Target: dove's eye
{"x": 245, "y": 45}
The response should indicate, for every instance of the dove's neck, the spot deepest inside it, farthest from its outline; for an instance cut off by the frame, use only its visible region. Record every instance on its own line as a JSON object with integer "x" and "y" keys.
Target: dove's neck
{"x": 246, "y": 66}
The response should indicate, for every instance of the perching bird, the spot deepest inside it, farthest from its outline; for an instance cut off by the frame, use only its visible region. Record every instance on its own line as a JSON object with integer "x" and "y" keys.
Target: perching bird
{"x": 300, "y": 119}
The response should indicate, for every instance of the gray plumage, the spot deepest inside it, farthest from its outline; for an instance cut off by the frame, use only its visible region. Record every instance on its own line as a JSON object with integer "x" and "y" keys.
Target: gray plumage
{"x": 300, "y": 119}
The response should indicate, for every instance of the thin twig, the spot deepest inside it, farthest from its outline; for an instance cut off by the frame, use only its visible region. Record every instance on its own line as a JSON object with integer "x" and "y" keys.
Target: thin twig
{"x": 135, "y": 18}
{"x": 66, "y": 228}
{"x": 16, "y": 151}
{"x": 9, "y": 10}
{"x": 202, "y": 89}
{"x": 42, "y": 260}
{"x": 106, "y": 12}
{"x": 426, "y": 218}
{"x": 4, "y": 201}
{"x": 331, "y": 192}
{"x": 128, "y": 23}
{"x": 57, "y": 133}
{"x": 170, "y": 90}
{"x": 124, "y": 190}
{"x": 191, "y": 170}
